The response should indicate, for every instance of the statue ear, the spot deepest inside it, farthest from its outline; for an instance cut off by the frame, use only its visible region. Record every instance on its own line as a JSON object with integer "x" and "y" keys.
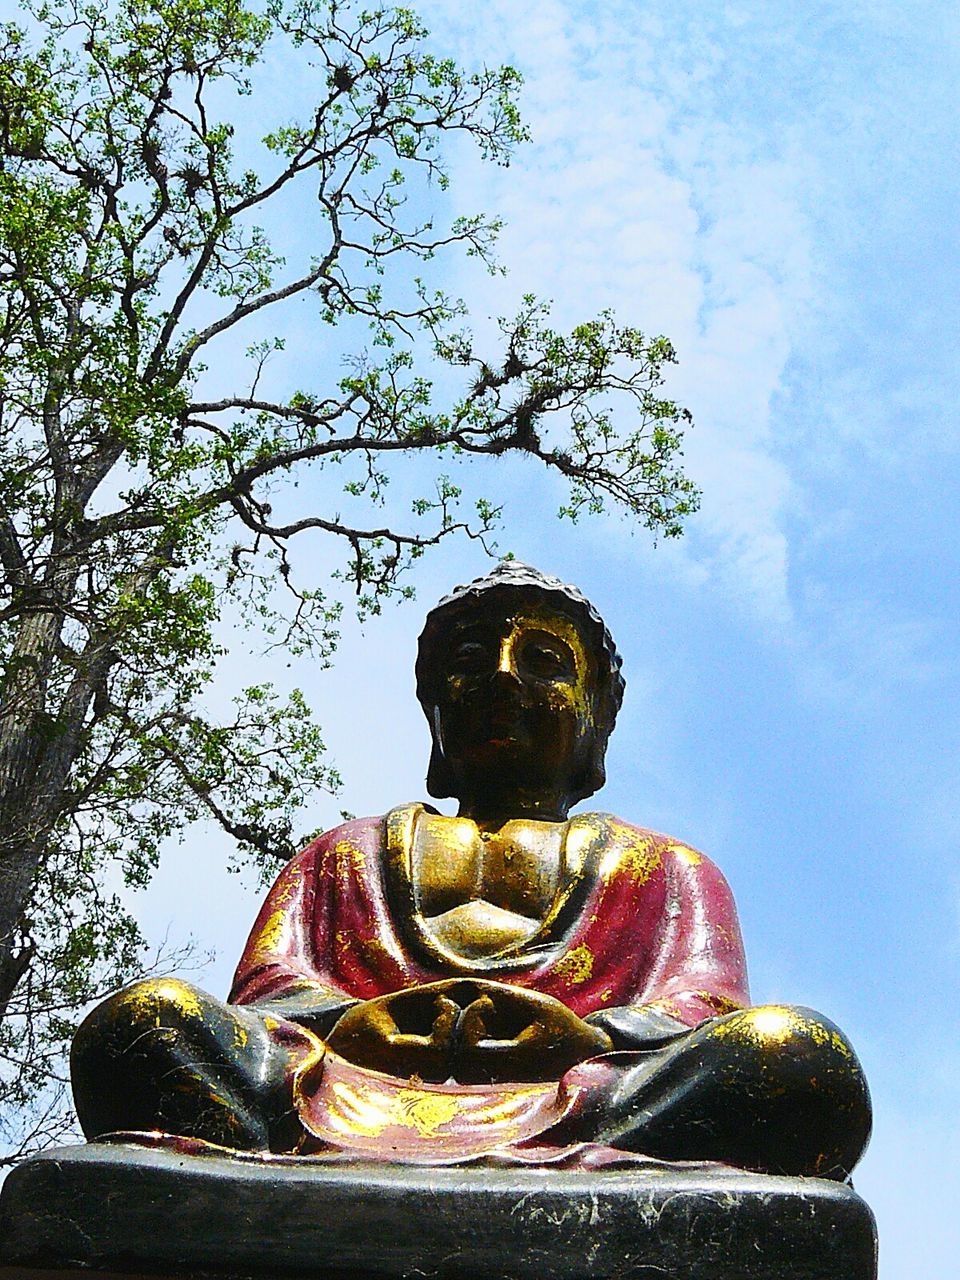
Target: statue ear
{"x": 594, "y": 774}
{"x": 439, "y": 781}
{"x": 591, "y": 778}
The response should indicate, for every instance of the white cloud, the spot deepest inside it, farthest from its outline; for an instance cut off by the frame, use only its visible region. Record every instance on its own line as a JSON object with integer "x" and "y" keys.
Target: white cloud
{"x": 856, "y": 651}
{"x": 633, "y": 196}
{"x": 691, "y": 175}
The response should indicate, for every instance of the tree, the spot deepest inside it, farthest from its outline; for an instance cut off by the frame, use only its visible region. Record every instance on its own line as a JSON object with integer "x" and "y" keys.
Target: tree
{"x": 146, "y": 487}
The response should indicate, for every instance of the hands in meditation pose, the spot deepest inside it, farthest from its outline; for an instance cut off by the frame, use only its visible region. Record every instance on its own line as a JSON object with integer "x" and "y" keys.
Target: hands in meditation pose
{"x": 511, "y": 980}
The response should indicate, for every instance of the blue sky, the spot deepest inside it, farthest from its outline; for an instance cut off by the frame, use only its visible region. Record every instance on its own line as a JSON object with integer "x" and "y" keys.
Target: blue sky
{"x": 771, "y": 185}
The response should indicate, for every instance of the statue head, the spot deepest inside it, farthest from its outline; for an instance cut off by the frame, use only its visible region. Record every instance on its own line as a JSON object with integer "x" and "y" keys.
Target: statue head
{"x": 519, "y": 678}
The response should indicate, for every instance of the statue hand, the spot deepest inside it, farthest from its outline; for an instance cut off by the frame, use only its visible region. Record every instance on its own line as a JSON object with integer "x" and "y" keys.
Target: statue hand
{"x": 474, "y": 1027}
{"x": 476, "y": 1031}
{"x": 535, "y": 1037}
{"x": 421, "y": 1044}
{"x": 511, "y": 1034}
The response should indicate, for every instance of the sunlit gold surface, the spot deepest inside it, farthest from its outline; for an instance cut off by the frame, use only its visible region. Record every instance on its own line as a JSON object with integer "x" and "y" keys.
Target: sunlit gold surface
{"x": 467, "y": 1030}
{"x": 576, "y": 966}
{"x": 493, "y": 917}
{"x": 637, "y": 855}
{"x": 367, "y": 1109}
{"x": 146, "y": 1000}
{"x": 685, "y": 854}
{"x": 772, "y": 1025}
{"x": 522, "y": 914}
{"x": 480, "y": 892}
{"x": 526, "y": 626}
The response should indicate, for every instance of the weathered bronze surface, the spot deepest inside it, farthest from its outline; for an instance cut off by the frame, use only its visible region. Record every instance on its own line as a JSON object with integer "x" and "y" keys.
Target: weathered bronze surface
{"x": 511, "y": 984}
{"x": 407, "y": 972}
{"x": 127, "y": 1210}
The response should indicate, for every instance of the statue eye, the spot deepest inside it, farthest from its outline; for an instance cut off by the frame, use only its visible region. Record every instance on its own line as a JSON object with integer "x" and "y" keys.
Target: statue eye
{"x": 468, "y": 656}
{"x": 546, "y": 660}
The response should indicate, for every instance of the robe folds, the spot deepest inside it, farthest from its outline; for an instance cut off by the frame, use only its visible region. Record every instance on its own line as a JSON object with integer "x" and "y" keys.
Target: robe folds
{"x": 639, "y": 921}
{"x": 641, "y": 941}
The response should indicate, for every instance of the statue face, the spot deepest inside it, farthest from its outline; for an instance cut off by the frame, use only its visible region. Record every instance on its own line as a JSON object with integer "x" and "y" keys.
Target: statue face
{"x": 516, "y": 705}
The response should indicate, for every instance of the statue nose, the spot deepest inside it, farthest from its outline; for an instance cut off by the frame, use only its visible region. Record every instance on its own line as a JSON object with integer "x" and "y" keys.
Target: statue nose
{"x": 505, "y": 678}
{"x": 506, "y": 674}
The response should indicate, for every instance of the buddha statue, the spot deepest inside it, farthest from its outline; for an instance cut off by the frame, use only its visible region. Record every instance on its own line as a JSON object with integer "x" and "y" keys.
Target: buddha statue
{"x": 510, "y": 981}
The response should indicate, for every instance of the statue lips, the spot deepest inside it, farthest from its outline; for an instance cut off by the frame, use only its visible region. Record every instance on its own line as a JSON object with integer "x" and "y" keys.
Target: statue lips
{"x": 495, "y": 717}
{"x": 510, "y": 735}
{"x": 505, "y": 719}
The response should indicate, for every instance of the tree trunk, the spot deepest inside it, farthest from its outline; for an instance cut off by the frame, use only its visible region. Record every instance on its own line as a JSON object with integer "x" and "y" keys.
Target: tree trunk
{"x": 27, "y": 807}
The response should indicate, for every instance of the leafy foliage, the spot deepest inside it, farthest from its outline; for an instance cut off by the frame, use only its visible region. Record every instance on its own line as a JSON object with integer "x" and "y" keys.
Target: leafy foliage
{"x": 138, "y": 486}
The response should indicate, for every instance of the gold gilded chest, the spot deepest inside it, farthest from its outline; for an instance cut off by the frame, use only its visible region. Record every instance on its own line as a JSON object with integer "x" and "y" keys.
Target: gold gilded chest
{"x": 479, "y": 892}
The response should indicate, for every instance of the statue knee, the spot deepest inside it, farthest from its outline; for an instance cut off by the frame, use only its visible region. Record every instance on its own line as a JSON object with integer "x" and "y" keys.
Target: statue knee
{"x": 122, "y": 1020}
{"x": 794, "y": 1034}
{"x": 807, "y": 1083}
{"x": 134, "y": 1057}
{"x": 159, "y": 1002}
{"x": 791, "y": 1039}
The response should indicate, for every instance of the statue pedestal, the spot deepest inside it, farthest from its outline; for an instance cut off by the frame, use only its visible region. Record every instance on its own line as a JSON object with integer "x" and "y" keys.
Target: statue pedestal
{"x": 126, "y": 1209}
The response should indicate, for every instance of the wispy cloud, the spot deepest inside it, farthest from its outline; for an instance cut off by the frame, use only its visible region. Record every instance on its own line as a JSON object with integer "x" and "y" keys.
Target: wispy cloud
{"x": 633, "y": 196}
{"x": 690, "y": 174}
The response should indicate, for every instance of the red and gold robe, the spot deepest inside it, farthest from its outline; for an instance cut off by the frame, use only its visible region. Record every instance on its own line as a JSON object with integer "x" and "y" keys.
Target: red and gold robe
{"x": 639, "y": 921}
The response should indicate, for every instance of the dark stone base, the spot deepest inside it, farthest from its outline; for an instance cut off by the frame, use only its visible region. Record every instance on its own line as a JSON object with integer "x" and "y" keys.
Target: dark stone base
{"x": 136, "y": 1211}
